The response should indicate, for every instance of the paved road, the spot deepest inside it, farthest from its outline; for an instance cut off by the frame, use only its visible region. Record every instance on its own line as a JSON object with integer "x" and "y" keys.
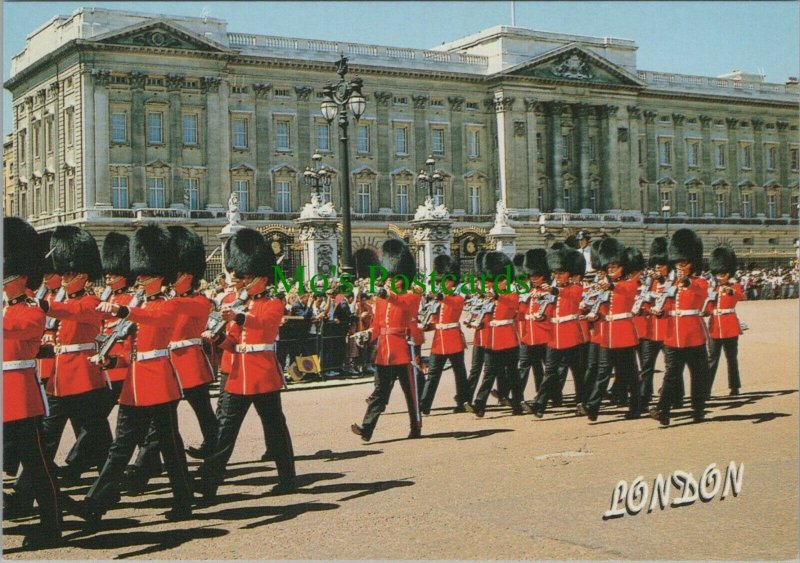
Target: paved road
{"x": 501, "y": 487}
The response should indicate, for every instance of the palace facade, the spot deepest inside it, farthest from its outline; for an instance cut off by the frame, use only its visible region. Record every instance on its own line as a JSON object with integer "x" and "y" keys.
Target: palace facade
{"x": 122, "y": 117}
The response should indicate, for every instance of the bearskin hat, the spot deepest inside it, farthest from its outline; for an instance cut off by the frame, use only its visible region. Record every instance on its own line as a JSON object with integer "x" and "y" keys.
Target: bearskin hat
{"x": 658, "y": 252}
{"x": 495, "y": 262}
{"x": 518, "y": 263}
{"x": 634, "y": 259}
{"x": 46, "y": 265}
{"x": 479, "y": 262}
{"x": 445, "y": 264}
{"x": 594, "y": 253}
{"x": 152, "y": 253}
{"x": 247, "y": 253}
{"x": 397, "y": 259}
{"x": 75, "y": 250}
{"x": 685, "y": 245}
{"x": 535, "y": 263}
{"x": 116, "y": 254}
{"x": 576, "y": 263}
{"x": 19, "y": 239}
{"x": 723, "y": 260}
{"x": 557, "y": 258}
{"x": 610, "y": 251}
{"x": 191, "y": 252}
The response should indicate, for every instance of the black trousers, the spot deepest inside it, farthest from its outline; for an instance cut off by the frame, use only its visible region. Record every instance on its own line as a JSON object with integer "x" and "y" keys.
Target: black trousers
{"x": 23, "y": 440}
{"x": 592, "y": 365}
{"x": 385, "y": 378}
{"x": 199, "y": 399}
{"x": 551, "y": 386}
{"x": 76, "y": 455}
{"x": 232, "y": 409}
{"x": 649, "y": 350}
{"x": 475, "y": 369}
{"x": 581, "y": 392}
{"x": 87, "y": 411}
{"x": 676, "y": 359}
{"x": 502, "y": 365}
{"x": 435, "y": 367}
{"x": 623, "y": 360}
{"x": 132, "y": 425}
{"x": 223, "y": 378}
{"x": 531, "y": 356}
{"x": 715, "y": 348}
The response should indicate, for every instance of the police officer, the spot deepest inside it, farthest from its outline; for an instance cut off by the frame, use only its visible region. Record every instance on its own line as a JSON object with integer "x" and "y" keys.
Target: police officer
{"x": 686, "y": 339}
{"x": 24, "y": 403}
{"x": 255, "y": 377}
{"x": 723, "y": 325}
{"x": 448, "y": 340}
{"x": 152, "y": 390}
{"x": 394, "y": 322}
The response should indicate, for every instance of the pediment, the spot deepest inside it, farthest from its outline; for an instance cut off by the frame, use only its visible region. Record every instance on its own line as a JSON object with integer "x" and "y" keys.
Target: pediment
{"x": 159, "y": 34}
{"x": 573, "y": 63}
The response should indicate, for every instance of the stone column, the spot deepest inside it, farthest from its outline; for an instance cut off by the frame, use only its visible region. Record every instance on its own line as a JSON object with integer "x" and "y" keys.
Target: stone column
{"x": 758, "y": 150}
{"x": 264, "y": 196}
{"x": 651, "y": 158}
{"x": 138, "y": 136}
{"x": 421, "y": 146}
{"x": 679, "y": 168}
{"x": 733, "y": 170}
{"x": 88, "y": 130}
{"x": 383, "y": 149}
{"x": 307, "y": 136}
{"x": 783, "y": 152}
{"x": 457, "y": 141}
{"x": 432, "y": 237}
{"x": 319, "y": 237}
{"x": 503, "y": 234}
{"x": 55, "y": 91}
{"x": 556, "y": 195}
{"x": 530, "y": 153}
{"x": 609, "y": 197}
{"x": 706, "y": 150}
{"x": 582, "y": 115}
{"x": 174, "y": 83}
{"x": 502, "y": 109}
{"x": 631, "y": 202}
{"x": 217, "y": 143}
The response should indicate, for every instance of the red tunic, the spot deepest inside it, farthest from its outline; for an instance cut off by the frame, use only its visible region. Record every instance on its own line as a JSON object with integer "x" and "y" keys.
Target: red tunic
{"x": 122, "y": 348}
{"x": 501, "y": 332}
{"x": 186, "y": 345}
{"x": 723, "y": 322}
{"x": 621, "y": 331}
{"x": 23, "y": 324}
{"x": 226, "y": 362}
{"x": 392, "y": 325}
{"x": 449, "y": 340}
{"x": 151, "y": 381}
{"x": 564, "y": 317}
{"x": 688, "y": 330}
{"x": 534, "y": 332}
{"x": 80, "y": 323}
{"x": 656, "y": 326}
{"x": 255, "y": 372}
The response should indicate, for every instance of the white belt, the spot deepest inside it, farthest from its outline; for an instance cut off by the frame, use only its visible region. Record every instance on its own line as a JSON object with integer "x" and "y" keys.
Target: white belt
{"x": 684, "y": 313}
{"x": 445, "y": 326}
{"x": 502, "y": 322}
{"x": 19, "y": 364}
{"x": 619, "y": 316}
{"x": 178, "y": 344}
{"x": 534, "y": 317}
{"x": 245, "y": 348}
{"x": 151, "y": 354}
{"x": 68, "y": 348}
{"x": 557, "y": 320}
{"x": 724, "y": 311}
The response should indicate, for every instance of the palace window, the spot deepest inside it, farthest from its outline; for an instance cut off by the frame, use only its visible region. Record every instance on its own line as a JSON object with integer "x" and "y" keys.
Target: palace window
{"x": 567, "y": 200}
{"x": 191, "y": 193}
{"x": 566, "y": 147}
{"x": 242, "y": 189}
{"x": 190, "y": 129}
{"x": 719, "y": 155}
{"x": 747, "y": 209}
{"x": 665, "y": 152}
{"x": 119, "y": 127}
{"x": 438, "y": 194}
{"x": 22, "y": 145}
{"x": 747, "y": 153}
{"x": 666, "y": 203}
{"x": 282, "y": 135}
{"x": 693, "y": 208}
{"x": 323, "y": 137}
{"x": 772, "y": 157}
{"x": 693, "y": 154}
{"x": 772, "y": 206}
{"x": 119, "y": 192}
{"x": 325, "y": 194}
{"x": 36, "y": 129}
{"x": 155, "y": 193}
{"x": 363, "y": 139}
{"x": 48, "y": 135}
{"x": 401, "y": 140}
{"x": 720, "y": 204}
{"x": 402, "y": 198}
{"x": 437, "y": 141}
{"x": 363, "y": 198}
{"x": 473, "y": 143}
{"x": 539, "y": 147}
{"x": 284, "y": 197}
{"x": 50, "y": 194}
{"x": 240, "y": 133}
{"x": 594, "y": 198}
{"x": 155, "y": 133}
{"x": 794, "y": 155}
{"x": 474, "y": 200}
{"x": 69, "y": 126}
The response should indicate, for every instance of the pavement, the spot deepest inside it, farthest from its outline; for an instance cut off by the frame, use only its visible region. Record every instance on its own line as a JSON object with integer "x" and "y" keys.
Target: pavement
{"x": 499, "y": 488}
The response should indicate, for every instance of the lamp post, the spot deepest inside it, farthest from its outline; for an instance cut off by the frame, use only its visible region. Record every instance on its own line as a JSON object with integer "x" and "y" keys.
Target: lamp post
{"x": 337, "y": 99}
{"x": 665, "y": 210}
{"x": 318, "y": 177}
{"x": 430, "y": 180}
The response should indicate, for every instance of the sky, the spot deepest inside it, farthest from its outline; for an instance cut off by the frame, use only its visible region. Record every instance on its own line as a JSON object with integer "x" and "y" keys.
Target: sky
{"x": 702, "y": 38}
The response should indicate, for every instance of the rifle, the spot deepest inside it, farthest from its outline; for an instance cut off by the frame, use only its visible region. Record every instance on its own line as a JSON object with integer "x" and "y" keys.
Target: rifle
{"x": 361, "y": 338}
{"x": 216, "y": 324}
{"x": 106, "y": 295}
{"x": 644, "y": 295}
{"x": 712, "y": 295}
{"x": 483, "y": 307}
{"x": 427, "y": 309}
{"x": 51, "y": 323}
{"x": 543, "y": 301}
{"x": 669, "y": 291}
{"x": 121, "y": 330}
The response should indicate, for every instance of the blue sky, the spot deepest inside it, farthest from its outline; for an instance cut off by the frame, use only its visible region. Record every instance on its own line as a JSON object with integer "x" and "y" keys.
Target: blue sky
{"x": 704, "y": 38}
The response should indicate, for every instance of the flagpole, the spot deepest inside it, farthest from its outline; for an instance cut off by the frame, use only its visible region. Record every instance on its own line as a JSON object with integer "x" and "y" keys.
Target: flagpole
{"x": 513, "y": 14}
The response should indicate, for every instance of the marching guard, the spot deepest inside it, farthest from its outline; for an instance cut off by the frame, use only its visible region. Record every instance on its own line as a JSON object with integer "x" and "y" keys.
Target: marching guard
{"x": 24, "y": 404}
{"x": 723, "y": 325}
{"x": 535, "y": 329}
{"x": 255, "y": 377}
